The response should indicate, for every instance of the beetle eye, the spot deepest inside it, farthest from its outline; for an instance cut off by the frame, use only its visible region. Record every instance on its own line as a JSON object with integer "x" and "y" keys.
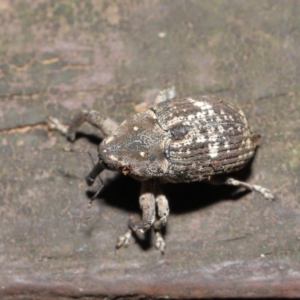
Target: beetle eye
{"x": 107, "y": 166}
{"x": 125, "y": 170}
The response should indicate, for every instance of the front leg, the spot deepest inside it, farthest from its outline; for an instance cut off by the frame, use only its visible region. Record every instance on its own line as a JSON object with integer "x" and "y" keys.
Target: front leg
{"x": 147, "y": 204}
{"x": 151, "y": 196}
{"x": 106, "y": 125}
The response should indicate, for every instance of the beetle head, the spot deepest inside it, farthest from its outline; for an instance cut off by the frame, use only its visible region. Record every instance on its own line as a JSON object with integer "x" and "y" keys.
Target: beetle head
{"x": 135, "y": 148}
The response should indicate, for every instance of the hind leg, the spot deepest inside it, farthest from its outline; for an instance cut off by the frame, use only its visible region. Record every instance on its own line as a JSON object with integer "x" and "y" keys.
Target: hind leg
{"x": 251, "y": 187}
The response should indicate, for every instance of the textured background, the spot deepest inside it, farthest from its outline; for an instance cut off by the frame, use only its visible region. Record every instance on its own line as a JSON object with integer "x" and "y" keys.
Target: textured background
{"x": 61, "y": 56}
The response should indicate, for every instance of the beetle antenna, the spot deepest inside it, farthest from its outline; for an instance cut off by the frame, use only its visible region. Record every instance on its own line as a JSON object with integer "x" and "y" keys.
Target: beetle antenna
{"x": 97, "y": 169}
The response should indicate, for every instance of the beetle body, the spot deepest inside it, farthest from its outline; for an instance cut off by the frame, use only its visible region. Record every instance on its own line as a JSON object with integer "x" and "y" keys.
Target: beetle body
{"x": 181, "y": 140}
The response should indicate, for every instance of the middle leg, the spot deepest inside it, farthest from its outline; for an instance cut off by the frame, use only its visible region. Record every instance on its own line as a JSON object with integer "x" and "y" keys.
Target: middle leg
{"x": 163, "y": 213}
{"x": 163, "y": 210}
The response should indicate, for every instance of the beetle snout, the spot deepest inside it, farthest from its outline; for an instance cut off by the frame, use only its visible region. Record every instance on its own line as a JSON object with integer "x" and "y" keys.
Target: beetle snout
{"x": 97, "y": 169}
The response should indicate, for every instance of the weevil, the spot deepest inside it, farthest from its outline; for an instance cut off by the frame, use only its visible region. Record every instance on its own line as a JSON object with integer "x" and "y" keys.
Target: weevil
{"x": 179, "y": 140}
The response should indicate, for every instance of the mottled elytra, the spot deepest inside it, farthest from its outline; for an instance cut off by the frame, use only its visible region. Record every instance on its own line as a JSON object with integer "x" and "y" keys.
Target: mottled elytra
{"x": 180, "y": 140}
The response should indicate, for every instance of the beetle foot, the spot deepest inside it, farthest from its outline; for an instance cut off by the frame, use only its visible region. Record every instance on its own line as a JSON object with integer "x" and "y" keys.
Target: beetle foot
{"x": 55, "y": 124}
{"x": 167, "y": 94}
{"x": 159, "y": 224}
{"x": 138, "y": 226}
{"x": 160, "y": 243}
{"x": 123, "y": 240}
{"x": 265, "y": 192}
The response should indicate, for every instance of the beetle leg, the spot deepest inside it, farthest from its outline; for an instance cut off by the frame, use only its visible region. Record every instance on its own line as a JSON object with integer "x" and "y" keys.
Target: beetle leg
{"x": 167, "y": 94}
{"x": 106, "y": 125}
{"x": 163, "y": 213}
{"x": 147, "y": 205}
{"x": 265, "y": 192}
{"x": 55, "y": 124}
{"x": 160, "y": 243}
{"x": 252, "y": 187}
{"x": 123, "y": 240}
{"x": 162, "y": 209}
